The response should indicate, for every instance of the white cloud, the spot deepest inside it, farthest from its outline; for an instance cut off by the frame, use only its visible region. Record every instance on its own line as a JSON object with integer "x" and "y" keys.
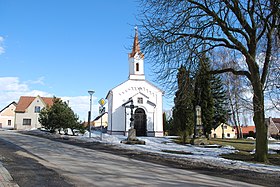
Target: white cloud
{"x": 40, "y": 81}
{"x": 12, "y": 84}
{"x": 11, "y": 89}
{"x": 2, "y": 50}
{"x": 81, "y": 105}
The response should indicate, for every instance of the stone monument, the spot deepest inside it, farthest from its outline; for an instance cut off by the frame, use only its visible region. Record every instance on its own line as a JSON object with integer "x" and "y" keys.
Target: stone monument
{"x": 131, "y": 138}
{"x": 198, "y": 137}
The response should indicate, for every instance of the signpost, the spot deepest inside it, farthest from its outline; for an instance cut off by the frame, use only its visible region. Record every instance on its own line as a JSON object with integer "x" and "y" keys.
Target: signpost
{"x": 102, "y": 102}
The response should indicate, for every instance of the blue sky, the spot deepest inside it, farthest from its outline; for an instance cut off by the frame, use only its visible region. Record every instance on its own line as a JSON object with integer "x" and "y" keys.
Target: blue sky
{"x": 65, "y": 48}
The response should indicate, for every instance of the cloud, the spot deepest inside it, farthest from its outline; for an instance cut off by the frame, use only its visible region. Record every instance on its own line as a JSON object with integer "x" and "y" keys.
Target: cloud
{"x": 11, "y": 88}
{"x": 81, "y": 105}
{"x": 2, "y": 50}
{"x": 40, "y": 81}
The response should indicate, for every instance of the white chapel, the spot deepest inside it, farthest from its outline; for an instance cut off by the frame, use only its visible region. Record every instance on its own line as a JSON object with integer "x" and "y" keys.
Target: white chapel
{"x": 146, "y": 98}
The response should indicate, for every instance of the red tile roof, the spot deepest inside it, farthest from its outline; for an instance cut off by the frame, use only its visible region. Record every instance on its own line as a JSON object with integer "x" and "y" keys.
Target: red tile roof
{"x": 136, "y": 46}
{"x": 247, "y": 129}
{"x": 25, "y": 101}
{"x": 276, "y": 120}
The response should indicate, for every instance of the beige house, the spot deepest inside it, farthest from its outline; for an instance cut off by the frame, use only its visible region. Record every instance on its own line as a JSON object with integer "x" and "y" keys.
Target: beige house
{"x": 223, "y": 131}
{"x": 273, "y": 127}
{"x": 7, "y": 116}
{"x": 27, "y": 111}
{"x": 103, "y": 118}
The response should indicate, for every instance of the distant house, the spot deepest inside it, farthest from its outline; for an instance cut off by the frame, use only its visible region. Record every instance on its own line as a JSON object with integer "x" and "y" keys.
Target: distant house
{"x": 7, "y": 116}
{"x": 27, "y": 111}
{"x": 223, "y": 131}
{"x": 248, "y": 131}
{"x": 273, "y": 127}
{"x": 103, "y": 118}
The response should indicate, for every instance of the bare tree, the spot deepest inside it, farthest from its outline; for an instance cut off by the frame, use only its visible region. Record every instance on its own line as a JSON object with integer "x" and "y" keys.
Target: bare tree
{"x": 175, "y": 32}
{"x": 273, "y": 85}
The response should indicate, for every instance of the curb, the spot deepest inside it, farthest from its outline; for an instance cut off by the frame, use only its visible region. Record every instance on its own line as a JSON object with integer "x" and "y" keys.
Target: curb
{"x": 6, "y": 179}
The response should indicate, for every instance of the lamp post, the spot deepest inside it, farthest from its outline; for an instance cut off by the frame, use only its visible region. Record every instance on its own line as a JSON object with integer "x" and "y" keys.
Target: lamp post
{"x": 89, "y": 112}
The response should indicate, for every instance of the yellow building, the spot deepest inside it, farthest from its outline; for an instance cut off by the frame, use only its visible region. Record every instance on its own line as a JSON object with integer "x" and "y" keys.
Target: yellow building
{"x": 101, "y": 120}
{"x": 223, "y": 131}
{"x": 7, "y": 116}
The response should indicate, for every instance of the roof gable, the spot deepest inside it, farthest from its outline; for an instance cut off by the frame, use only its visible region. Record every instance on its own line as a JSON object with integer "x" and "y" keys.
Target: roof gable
{"x": 125, "y": 82}
{"x": 25, "y": 101}
{"x": 12, "y": 103}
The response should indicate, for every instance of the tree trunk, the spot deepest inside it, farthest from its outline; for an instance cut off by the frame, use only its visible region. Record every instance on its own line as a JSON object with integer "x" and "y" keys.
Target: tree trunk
{"x": 259, "y": 120}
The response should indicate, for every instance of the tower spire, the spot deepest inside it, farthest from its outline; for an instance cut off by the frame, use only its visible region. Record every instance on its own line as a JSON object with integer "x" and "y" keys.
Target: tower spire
{"x": 136, "y": 60}
{"x": 136, "y": 45}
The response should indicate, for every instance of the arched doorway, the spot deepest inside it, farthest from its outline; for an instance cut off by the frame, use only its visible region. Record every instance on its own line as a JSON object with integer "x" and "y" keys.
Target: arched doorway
{"x": 140, "y": 122}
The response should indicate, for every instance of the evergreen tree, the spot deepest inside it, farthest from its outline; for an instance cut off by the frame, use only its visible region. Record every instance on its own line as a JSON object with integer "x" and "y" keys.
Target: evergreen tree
{"x": 165, "y": 123}
{"x": 183, "y": 112}
{"x": 59, "y": 116}
{"x": 203, "y": 94}
{"x": 220, "y": 99}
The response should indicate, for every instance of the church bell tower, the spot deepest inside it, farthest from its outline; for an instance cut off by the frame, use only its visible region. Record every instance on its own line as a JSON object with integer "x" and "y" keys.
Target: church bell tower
{"x": 136, "y": 60}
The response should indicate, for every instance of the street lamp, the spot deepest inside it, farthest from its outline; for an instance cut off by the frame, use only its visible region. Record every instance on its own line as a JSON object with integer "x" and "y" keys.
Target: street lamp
{"x": 89, "y": 112}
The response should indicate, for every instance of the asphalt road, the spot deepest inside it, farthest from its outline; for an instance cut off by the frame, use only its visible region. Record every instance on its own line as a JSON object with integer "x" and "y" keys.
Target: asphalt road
{"x": 35, "y": 161}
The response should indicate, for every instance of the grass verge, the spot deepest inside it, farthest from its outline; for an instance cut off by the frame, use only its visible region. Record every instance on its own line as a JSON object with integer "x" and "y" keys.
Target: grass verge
{"x": 244, "y": 147}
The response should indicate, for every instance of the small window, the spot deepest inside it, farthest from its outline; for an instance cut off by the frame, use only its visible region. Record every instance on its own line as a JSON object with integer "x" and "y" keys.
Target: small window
{"x": 37, "y": 109}
{"x": 26, "y": 122}
{"x": 9, "y": 122}
{"x": 225, "y": 127}
{"x": 140, "y": 100}
{"x": 137, "y": 66}
{"x": 228, "y": 135}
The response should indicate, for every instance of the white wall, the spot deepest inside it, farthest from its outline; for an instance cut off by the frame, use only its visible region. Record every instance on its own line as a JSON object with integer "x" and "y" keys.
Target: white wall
{"x": 134, "y": 89}
{"x": 6, "y": 115}
{"x": 29, "y": 114}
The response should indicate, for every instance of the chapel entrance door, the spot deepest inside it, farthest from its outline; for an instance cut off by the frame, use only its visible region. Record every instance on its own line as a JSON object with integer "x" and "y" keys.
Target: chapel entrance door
{"x": 140, "y": 122}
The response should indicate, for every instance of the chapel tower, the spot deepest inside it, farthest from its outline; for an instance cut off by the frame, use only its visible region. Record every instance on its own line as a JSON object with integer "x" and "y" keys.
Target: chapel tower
{"x": 136, "y": 60}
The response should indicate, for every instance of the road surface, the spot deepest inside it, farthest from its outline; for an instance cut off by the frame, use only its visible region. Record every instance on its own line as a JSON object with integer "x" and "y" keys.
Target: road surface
{"x": 80, "y": 166}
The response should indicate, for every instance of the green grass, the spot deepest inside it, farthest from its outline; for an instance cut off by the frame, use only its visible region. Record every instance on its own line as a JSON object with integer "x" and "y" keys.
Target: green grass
{"x": 241, "y": 145}
{"x": 244, "y": 147}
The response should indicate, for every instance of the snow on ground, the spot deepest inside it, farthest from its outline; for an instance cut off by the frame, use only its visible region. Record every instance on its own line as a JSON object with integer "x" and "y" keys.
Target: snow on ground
{"x": 208, "y": 156}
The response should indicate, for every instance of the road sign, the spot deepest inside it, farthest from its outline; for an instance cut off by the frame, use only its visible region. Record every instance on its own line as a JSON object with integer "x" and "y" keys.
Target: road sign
{"x": 102, "y": 102}
{"x": 101, "y": 109}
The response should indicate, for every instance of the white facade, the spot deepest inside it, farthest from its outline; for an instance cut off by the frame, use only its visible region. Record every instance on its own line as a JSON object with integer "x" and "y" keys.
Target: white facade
{"x": 7, "y": 116}
{"x": 146, "y": 97}
{"x": 28, "y": 119}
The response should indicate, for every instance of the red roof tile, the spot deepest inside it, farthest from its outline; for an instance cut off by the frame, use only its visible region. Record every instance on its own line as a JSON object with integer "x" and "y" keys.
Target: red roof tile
{"x": 25, "y": 101}
{"x": 276, "y": 120}
{"x": 247, "y": 129}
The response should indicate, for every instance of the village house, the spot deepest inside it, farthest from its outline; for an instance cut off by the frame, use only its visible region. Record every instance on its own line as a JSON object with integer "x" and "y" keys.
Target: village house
{"x": 7, "y": 116}
{"x": 101, "y": 120}
{"x": 273, "y": 127}
{"x": 223, "y": 131}
{"x": 137, "y": 96}
{"x": 27, "y": 111}
{"x": 248, "y": 131}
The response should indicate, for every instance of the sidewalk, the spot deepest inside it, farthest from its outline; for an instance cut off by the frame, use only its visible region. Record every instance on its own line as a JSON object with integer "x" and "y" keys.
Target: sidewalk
{"x": 5, "y": 178}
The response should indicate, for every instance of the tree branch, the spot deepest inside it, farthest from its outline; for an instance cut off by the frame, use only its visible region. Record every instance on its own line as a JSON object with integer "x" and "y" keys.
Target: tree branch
{"x": 233, "y": 71}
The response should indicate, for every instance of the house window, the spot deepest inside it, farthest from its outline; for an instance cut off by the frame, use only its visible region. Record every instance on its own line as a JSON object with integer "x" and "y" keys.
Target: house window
{"x": 26, "y": 122}
{"x": 228, "y": 135}
{"x": 9, "y": 122}
{"x": 225, "y": 127}
{"x": 140, "y": 100}
{"x": 137, "y": 66}
{"x": 37, "y": 109}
